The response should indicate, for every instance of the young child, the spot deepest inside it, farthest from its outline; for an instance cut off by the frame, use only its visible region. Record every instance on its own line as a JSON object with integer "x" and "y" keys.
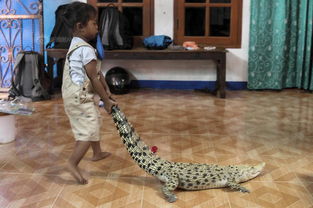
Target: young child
{"x": 82, "y": 83}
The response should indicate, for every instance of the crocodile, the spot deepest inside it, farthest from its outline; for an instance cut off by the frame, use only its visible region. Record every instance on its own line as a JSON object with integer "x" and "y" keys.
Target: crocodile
{"x": 186, "y": 176}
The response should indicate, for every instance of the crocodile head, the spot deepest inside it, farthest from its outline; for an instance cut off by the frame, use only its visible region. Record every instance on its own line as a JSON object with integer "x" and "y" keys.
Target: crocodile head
{"x": 249, "y": 172}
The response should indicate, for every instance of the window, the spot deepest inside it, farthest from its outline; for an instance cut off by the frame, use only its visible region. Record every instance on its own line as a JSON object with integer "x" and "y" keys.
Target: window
{"x": 208, "y": 22}
{"x": 138, "y": 12}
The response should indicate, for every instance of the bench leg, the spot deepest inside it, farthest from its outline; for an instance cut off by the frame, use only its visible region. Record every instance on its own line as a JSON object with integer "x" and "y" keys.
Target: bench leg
{"x": 50, "y": 72}
{"x": 221, "y": 78}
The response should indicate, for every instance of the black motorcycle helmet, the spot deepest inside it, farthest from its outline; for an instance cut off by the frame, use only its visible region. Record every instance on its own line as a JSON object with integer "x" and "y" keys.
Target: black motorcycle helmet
{"x": 118, "y": 80}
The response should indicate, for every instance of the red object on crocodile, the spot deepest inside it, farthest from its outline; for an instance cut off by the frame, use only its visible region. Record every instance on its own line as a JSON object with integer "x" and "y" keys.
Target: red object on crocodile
{"x": 154, "y": 149}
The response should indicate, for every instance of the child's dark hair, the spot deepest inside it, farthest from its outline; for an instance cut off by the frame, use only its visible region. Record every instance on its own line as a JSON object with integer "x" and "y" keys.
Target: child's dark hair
{"x": 78, "y": 12}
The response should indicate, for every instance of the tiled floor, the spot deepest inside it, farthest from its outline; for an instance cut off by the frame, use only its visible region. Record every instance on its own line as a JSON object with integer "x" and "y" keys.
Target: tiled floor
{"x": 247, "y": 127}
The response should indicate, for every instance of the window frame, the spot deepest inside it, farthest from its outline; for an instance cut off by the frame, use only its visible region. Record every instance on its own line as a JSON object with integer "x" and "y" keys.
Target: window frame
{"x": 148, "y": 15}
{"x": 232, "y": 41}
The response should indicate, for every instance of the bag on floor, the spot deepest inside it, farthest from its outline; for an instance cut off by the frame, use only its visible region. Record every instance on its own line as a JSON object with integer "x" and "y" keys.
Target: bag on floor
{"x": 29, "y": 78}
{"x": 114, "y": 29}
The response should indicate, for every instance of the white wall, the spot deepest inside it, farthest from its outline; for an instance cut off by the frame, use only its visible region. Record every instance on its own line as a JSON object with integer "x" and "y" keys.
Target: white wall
{"x": 237, "y": 59}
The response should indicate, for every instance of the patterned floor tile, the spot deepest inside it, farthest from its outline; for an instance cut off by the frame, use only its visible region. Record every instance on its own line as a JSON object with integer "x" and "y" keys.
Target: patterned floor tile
{"x": 247, "y": 127}
{"x": 21, "y": 190}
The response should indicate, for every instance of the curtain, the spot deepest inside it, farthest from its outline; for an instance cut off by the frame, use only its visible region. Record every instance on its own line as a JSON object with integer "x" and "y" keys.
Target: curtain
{"x": 280, "y": 47}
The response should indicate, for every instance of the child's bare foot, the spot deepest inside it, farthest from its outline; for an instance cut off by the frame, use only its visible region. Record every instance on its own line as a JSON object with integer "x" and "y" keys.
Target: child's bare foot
{"x": 100, "y": 156}
{"x": 76, "y": 173}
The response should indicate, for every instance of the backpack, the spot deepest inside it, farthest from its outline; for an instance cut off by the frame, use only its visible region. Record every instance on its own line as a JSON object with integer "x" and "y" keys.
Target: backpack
{"x": 114, "y": 29}
{"x": 61, "y": 34}
{"x": 29, "y": 78}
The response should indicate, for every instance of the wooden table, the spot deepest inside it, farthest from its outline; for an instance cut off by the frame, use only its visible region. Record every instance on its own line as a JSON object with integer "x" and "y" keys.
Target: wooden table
{"x": 218, "y": 56}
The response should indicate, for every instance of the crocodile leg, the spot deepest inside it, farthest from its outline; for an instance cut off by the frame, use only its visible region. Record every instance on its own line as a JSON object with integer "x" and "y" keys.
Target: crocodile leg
{"x": 237, "y": 187}
{"x": 169, "y": 186}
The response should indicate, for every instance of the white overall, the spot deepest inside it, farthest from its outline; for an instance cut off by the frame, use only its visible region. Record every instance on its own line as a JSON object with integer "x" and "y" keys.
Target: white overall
{"x": 79, "y": 104}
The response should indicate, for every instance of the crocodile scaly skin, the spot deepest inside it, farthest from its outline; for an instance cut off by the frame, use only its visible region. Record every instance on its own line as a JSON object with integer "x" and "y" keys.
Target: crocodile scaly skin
{"x": 187, "y": 176}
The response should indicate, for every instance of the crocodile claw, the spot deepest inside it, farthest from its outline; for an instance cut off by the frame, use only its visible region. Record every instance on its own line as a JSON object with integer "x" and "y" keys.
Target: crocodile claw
{"x": 171, "y": 198}
{"x": 244, "y": 190}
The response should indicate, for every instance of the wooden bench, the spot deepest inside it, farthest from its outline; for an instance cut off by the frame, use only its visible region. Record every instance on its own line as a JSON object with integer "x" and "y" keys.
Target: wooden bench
{"x": 218, "y": 56}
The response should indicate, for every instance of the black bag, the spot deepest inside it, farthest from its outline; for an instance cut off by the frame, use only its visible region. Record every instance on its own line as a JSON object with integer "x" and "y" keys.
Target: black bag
{"x": 61, "y": 35}
{"x": 29, "y": 78}
{"x": 114, "y": 29}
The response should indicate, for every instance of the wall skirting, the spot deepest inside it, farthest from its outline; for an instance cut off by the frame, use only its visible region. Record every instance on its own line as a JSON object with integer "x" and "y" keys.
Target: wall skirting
{"x": 185, "y": 85}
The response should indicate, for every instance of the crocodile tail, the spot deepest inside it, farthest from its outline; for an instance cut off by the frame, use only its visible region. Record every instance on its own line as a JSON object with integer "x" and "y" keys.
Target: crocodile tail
{"x": 138, "y": 150}
{"x": 128, "y": 134}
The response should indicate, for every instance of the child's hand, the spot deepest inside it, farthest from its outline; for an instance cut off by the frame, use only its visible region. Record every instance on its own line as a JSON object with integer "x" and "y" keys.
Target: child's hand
{"x": 108, "y": 104}
{"x": 109, "y": 93}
